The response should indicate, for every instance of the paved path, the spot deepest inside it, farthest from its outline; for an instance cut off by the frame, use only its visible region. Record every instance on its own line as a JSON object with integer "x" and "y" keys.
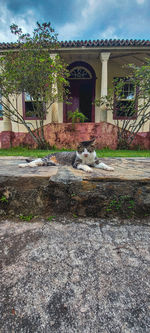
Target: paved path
{"x": 80, "y": 277}
{"x": 137, "y": 168}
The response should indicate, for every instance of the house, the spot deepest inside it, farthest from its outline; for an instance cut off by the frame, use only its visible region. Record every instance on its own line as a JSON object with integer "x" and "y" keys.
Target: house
{"x": 93, "y": 65}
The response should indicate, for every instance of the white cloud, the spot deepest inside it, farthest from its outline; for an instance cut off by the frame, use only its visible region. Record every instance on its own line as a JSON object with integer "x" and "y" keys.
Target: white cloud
{"x": 109, "y": 33}
{"x": 89, "y": 19}
{"x": 140, "y": 2}
{"x": 105, "y": 19}
{"x": 74, "y": 30}
{"x": 69, "y": 31}
{"x": 90, "y": 9}
{"x": 7, "y": 18}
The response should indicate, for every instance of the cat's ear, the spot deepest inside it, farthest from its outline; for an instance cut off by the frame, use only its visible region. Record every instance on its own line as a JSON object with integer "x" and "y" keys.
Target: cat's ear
{"x": 79, "y": 147}
{"x": 93, "y": 141}
{"x": 87, "y": 143}
{"x": 80, "y": 144}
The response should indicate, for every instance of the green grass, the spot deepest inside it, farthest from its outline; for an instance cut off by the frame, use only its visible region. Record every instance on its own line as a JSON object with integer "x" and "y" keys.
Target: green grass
{"x": 123, "y": 153}
{"x": 19, "y": 151}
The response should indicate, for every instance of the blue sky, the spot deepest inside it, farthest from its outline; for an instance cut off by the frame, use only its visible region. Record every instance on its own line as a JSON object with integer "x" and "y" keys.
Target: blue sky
{"x": 78, "y": 19}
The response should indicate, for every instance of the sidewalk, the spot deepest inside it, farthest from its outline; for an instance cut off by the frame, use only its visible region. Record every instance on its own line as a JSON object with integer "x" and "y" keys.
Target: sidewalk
{"x": 125, "y": 169}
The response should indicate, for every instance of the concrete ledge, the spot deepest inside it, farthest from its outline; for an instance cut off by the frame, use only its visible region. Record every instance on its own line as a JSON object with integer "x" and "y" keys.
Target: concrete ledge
{"x": 50, "y": 190}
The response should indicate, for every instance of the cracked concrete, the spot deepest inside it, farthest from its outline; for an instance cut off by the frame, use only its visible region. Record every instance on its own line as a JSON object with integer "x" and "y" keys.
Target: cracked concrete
{"x": 74, "y": 275}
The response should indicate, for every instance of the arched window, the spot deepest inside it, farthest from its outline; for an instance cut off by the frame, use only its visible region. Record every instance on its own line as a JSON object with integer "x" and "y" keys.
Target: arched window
{"x": 80, "y": 73}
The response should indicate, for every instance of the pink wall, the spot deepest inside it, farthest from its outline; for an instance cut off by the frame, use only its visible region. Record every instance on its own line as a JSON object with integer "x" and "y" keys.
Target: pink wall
{"x": 67, "y": 135}
{"x": 143, "y": 140}
{"x": 5, "y": 139}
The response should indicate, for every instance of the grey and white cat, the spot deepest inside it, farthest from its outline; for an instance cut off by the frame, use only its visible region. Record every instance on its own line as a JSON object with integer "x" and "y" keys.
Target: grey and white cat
{"x": 83, "y": 159}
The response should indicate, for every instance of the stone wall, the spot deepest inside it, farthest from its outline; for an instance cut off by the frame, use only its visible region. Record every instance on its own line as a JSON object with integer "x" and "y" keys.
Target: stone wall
{"x": 68, "y": 135}
{"x": 46, "y": 191}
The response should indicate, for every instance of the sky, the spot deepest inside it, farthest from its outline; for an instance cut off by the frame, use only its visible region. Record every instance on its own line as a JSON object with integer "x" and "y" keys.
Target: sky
{"x": 78, "y": 19}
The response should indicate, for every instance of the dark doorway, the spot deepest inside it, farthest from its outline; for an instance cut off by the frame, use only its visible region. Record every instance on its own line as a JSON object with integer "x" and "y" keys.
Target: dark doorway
{"x": 85, "y": 99}
{"x": 82, "y": 91}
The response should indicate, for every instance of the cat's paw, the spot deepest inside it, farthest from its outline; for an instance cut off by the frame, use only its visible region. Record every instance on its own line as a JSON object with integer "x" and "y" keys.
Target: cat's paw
{"x": 104, "y": 166}
{"x": 23, "y": 165}
{"x": 110, "y": 169}
{"x": 86, "y": 168}
{"x": 31, "y": 165}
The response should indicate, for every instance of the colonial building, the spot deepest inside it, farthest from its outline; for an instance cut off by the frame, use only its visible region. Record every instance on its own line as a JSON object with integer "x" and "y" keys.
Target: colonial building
{"x": 93, "y": 65}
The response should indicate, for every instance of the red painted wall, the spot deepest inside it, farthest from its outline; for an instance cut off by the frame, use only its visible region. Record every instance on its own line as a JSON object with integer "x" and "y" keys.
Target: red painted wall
{"x": 67, "y": 135}
{"x": 143, "y": 140}
{"x": 5, "y": 139}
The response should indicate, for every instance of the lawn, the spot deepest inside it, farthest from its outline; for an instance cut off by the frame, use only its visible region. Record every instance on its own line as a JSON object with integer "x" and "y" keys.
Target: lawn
{"x": 19, "y": 151}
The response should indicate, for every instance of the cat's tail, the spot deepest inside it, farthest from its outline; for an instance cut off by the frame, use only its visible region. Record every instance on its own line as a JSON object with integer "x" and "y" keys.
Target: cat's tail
{"x": 32, "y": 163}
{"x": 37, "y": 162}
{"x": 28, "y": 160}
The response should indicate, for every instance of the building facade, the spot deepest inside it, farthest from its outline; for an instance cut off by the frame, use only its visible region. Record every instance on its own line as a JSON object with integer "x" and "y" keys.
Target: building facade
{"x": 93, "y": 65}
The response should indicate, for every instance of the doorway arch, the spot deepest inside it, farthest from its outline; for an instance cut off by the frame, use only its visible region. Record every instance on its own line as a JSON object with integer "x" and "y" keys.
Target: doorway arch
{"x": 82, "y": 90}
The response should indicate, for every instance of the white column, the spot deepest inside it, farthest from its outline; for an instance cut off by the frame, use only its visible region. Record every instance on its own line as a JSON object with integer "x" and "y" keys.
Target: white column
{"x": 104, "y": 82}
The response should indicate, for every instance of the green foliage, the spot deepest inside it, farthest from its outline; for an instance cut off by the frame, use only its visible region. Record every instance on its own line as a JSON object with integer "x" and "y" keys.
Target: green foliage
{"x": 76, "y": 116}
{"x": 33, "y": 68}
{"x": 4, "y": 199}
{"x": 51, "y": 218}
{"x": 26, "y": 218}
{"x": 124, "y": 205}
{"x": 133, "y": 105}
{"x": 75, "y": 216}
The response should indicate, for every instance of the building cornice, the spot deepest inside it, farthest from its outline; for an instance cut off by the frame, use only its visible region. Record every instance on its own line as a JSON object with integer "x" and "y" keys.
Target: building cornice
{"x": 91, "y": 44}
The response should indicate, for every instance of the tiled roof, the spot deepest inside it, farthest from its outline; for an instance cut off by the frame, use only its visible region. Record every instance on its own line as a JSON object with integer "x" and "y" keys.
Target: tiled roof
{"x": 90, "y": 43}
{"x": 6, "y": 46}
{"x": 105, "y": 43}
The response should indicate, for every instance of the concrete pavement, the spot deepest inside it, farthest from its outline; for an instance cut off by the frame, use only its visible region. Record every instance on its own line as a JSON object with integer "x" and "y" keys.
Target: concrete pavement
{"x": 75, "y": 276}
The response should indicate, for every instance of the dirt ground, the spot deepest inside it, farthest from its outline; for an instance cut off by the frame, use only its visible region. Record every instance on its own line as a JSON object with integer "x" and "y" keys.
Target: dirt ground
{"x": 75, "y": 276}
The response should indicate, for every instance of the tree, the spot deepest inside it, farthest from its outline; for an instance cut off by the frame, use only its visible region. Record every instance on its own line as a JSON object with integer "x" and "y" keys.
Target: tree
{"x": 35, "y": 69}
{"x": 129, "y": 100}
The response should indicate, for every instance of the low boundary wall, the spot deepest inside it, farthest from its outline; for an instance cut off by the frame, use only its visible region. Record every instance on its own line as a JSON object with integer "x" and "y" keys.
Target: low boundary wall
{"x": 68, "y": 135}
{"x": 46, "y": 191}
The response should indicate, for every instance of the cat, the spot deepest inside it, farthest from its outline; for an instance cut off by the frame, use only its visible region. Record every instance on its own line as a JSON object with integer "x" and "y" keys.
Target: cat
{"x": 83, "y": 159}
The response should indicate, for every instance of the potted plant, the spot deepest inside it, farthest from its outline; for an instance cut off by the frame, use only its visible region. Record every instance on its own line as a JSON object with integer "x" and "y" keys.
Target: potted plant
{"x": 76, "y": 116}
